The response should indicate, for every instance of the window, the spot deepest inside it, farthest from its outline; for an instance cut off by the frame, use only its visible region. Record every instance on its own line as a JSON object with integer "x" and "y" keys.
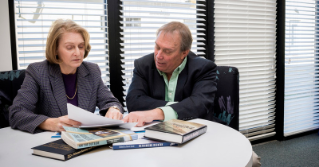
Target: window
{"x": 301, "y": 67}
{"x": 34, "y": 19}
{"x": 142, "y": 18}
{"x": 245, "y": 37}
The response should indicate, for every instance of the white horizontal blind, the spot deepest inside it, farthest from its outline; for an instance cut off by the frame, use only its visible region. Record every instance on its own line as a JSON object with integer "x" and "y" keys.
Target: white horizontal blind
{"x": 245, "y": 37}
{"x": 35, "y": 17}
{"x": 142, "y": 18}
{"x": 301, "y": 67}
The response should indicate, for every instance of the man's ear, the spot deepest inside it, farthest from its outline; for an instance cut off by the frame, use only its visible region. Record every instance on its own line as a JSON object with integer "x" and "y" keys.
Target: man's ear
{"x": 184, "y": 54}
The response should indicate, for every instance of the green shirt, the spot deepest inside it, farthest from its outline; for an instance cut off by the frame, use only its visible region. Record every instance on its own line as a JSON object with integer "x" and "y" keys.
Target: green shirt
{"x": 170, "y": 89}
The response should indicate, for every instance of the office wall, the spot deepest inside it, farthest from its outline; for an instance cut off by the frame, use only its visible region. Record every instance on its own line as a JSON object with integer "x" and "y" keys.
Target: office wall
{"x": 5, "y": 46}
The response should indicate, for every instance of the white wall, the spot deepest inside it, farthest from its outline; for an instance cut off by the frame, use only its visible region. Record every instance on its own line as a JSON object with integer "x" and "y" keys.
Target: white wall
{"x": 5, "y": 45}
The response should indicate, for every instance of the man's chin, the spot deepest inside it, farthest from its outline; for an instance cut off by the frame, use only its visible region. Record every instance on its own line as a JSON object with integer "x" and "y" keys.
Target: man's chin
{"x": 160, "y": 69}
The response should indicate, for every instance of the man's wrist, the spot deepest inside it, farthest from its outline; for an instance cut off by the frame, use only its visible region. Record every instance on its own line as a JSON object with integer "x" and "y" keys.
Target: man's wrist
{"x": 158, "y": 114}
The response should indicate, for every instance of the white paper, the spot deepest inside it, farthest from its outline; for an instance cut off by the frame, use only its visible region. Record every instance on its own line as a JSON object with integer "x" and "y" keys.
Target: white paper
{"x": 90, "y": 120}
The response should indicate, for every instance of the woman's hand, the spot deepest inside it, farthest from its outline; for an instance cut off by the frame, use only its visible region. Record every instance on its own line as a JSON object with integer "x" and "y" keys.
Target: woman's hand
{"x": 114, "y": 114}
{"x": 56, "y": 124}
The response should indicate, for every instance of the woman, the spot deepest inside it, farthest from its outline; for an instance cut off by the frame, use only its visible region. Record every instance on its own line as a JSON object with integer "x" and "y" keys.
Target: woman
{"x": 41, "y": 103}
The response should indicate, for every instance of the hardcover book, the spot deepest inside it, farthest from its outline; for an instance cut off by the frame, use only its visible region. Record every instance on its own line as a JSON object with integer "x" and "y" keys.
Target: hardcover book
{"x": 59, "y": 150}
{"x": 176, "y": 131}
{"x": 141, "y": 142}
{"x": 82, "y": 138}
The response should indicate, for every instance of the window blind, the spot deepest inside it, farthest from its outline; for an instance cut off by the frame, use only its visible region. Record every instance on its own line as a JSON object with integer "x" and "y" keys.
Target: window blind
{"x": 301, "y": 67}
{"x": 34, "y": 18}
{"x": 140, "y": 20}
{"x": 245, "y": 37}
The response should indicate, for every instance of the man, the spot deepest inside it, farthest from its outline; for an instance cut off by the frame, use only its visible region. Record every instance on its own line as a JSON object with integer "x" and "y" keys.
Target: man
{"x": 172, "y": 82}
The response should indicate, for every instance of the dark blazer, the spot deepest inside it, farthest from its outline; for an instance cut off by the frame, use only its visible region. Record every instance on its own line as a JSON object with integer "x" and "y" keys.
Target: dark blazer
{"x": 42, "y": 95}
{"x": 195, "y": 90}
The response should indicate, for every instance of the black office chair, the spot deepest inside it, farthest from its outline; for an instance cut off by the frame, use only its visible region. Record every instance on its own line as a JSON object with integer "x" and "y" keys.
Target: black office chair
{"x": 226, "y": 103}
{"x": 10, "y": 83}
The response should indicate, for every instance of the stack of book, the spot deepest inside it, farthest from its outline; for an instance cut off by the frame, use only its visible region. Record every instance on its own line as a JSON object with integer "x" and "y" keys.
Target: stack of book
{"x": 168, "y": 133}
{"x": 76, "y": 141}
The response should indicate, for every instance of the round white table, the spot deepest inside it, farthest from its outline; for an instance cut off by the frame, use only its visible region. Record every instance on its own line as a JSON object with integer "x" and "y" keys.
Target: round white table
{"x": 219, "y": 146}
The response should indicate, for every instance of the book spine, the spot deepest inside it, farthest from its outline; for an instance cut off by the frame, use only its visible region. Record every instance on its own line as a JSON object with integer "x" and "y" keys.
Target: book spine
{"x": 147, "y": 145}
{"x": 104, "y": 142}
{"x": 194, "y": 134}
{"x": 91, "y": 144}
{"x": 69, "y": 156}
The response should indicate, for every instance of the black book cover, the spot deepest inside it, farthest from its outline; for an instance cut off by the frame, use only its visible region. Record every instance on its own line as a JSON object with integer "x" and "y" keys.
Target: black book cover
{"x": 59, "y": 150}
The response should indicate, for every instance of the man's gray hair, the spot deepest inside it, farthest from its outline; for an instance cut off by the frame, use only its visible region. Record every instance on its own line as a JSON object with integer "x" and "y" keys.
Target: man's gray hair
{"x": 182, "y": 29}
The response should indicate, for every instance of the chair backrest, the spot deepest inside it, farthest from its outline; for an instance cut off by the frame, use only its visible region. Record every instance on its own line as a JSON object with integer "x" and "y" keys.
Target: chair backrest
{"x": 10, "y": 83}
{"x": 226, "y": 103}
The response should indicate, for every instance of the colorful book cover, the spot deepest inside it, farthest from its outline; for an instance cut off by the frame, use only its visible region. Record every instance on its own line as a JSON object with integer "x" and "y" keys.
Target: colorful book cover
{"x": 176, "y": 131}
{"x": 82, "y": 138}
{"x": 176, "y": 126}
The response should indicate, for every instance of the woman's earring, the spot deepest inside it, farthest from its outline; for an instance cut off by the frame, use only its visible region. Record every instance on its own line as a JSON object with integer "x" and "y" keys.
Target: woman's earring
{"x": 56, "y": 57}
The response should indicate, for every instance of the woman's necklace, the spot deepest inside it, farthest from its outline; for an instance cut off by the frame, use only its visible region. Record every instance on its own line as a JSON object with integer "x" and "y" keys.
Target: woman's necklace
{"x": 76, "y": 89}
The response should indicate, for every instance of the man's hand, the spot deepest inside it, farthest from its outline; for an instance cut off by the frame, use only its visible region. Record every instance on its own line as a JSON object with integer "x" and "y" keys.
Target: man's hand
{"x": 142, "y": 117}
{"x": 113, "y": 114}
{"x": 56, "y": 124}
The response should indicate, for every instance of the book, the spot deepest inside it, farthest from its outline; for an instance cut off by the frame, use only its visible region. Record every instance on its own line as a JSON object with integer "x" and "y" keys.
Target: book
{"x": 176, "y": 131}
{"x": 82, "y": 138}
{"x": 56, "y": 135}
{"x": 141, "y": 142}
{"x": 59, "y": 150}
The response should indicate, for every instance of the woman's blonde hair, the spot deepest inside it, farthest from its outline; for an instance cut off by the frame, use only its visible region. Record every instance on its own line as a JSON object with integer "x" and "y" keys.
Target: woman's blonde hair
{"x": 56, "y": 31}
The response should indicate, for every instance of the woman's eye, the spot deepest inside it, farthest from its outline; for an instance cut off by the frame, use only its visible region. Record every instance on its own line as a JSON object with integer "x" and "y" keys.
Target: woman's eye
{"x": 69, "y": 47}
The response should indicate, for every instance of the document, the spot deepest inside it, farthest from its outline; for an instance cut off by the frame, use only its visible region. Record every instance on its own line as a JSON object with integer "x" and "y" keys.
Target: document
{"x": 90, "y": 120}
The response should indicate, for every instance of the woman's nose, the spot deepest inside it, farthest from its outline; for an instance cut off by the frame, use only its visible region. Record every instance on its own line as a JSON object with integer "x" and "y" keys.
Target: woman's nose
{"x": 77, "y": 51}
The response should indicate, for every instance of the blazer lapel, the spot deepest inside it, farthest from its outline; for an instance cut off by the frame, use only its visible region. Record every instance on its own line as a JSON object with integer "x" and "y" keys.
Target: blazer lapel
{"x": 58, "y": 88}
{"x": 158, "y": 85}
{"x": 84, "y": 87}
{"x": 182, "y": 78}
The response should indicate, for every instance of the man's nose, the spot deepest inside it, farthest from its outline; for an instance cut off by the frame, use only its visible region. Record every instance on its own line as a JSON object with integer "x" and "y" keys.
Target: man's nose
{"x": 159, "y": 55}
